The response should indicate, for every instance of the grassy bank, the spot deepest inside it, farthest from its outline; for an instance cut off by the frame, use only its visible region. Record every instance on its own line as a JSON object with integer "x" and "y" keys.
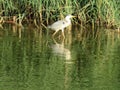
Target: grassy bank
{"x": 101, "y": 12}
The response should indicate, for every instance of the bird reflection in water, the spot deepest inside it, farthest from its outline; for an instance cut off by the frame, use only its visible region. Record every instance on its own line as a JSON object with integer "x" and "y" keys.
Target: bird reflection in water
{"x": 59, "y": 50}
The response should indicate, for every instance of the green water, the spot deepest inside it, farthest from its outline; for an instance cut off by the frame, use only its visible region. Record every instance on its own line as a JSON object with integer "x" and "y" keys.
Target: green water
{"x": 30, "y": 59}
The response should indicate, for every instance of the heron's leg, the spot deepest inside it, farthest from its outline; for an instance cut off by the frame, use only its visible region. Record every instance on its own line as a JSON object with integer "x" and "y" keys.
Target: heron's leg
{"x": 63, "y": 33}
{"x": 55, "y": 33}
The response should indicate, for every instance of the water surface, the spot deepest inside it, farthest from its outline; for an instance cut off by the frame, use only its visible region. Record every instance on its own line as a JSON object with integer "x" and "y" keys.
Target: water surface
{"x": 30, "y": 59}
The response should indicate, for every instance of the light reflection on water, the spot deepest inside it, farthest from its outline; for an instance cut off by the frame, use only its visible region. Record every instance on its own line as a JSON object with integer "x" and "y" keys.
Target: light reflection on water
{"x": 60, "y": 50}
{"x": 31, "y": 59}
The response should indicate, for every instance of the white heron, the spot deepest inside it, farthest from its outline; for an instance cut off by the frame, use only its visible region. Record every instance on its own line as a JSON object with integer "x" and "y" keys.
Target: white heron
{"x": 61, "y": 25}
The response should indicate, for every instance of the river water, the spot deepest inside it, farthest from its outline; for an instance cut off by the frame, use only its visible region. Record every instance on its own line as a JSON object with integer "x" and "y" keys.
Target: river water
{"x": 87, "y": 59}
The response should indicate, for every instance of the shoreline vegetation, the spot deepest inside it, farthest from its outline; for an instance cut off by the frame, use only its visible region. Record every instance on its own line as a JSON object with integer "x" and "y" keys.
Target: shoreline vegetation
{"x": 41, "y": 12}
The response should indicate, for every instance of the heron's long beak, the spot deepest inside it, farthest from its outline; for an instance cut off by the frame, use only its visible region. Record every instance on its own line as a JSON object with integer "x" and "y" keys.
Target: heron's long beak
{"x": 73, "y": 16}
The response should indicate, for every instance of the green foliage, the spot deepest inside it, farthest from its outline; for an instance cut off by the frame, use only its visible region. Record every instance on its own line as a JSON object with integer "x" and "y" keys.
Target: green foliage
{"x": 43, "y": 10}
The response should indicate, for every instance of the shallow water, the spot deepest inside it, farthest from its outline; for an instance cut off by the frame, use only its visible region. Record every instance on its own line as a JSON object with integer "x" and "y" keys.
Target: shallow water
{"x": 30, "y": 59}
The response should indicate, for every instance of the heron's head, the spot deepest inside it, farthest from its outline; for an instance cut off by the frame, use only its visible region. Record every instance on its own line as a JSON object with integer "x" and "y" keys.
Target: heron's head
{"x": 69, "y": 16}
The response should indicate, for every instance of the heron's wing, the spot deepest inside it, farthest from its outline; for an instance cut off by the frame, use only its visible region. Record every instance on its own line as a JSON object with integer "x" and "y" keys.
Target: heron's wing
{"x": 58, "y": 25}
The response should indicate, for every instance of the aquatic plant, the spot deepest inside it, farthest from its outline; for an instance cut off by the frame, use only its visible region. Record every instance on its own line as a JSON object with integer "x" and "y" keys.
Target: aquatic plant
{"x": 42, "y": 11}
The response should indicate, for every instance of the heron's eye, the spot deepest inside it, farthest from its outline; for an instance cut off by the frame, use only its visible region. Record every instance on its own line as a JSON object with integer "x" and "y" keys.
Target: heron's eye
{"x": 63, "y": 22}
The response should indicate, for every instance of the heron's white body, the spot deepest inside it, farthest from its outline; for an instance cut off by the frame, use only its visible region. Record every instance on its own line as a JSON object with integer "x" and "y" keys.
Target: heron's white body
{"x": 61, "y": 24}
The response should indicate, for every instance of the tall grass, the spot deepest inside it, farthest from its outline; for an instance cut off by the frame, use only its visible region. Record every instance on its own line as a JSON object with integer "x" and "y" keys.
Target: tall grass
{"x": 43, "y": 11}
{"x": 108, "y": 11}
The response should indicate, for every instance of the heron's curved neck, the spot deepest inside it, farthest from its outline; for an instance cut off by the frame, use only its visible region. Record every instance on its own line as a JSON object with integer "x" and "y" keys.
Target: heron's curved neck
{"x": 68, "y": 20}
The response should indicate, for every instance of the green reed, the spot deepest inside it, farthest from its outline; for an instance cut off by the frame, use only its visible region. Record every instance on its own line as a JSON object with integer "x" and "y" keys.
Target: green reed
{"x": 43, "y": 11}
